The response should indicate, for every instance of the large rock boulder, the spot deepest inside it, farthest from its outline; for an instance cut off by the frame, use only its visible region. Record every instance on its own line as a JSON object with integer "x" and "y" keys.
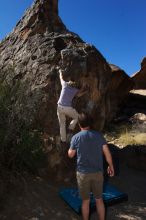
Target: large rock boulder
{"x": 119, "y": 86}
{"x": 29, "y": 60}
{"x": 139, "y": 78}
{"x": 31, "y": 54}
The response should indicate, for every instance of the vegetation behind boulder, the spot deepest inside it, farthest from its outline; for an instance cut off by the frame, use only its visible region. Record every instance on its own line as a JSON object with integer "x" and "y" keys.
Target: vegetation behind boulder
{"x": 21, "y": 148}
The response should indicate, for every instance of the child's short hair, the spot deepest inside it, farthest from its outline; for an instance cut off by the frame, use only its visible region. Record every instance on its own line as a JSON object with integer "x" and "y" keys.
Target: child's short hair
{"x": 85, "y": 120}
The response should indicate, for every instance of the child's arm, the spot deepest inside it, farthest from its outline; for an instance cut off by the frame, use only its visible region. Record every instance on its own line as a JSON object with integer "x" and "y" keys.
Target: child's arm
{"x": 108, "y": 157}
{"x": 71, "y": 153}
{"x": 61, "y": 77}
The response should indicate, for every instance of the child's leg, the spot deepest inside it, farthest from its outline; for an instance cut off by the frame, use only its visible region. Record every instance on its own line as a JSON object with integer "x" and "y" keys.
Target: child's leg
{"x": 72, "y": 113}
{"x": 62, "y": 123}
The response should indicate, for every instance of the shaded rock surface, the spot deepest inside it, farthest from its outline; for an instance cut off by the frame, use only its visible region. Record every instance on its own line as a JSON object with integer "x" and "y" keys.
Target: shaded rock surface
{"x": 134, "y": 157}
{"x": 29, "y": 59}
{"x": 119, "y": 87}
{"x": 139, "y": 78}
{"x": 136, "y": 103}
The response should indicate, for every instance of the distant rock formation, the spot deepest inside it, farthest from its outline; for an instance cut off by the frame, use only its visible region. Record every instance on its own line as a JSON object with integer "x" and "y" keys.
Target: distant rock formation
{"x": 139, "y": 78}
{"x": 30, "y": 56}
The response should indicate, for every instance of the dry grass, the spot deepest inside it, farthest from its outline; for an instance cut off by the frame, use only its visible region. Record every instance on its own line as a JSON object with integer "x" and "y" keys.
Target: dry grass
{"x": 124, "y": 135}
{"x": 129, "y": 138}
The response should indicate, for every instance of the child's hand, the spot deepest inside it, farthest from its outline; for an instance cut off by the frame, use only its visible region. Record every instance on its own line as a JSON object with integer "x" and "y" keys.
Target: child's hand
{"x": 110, "y": 171}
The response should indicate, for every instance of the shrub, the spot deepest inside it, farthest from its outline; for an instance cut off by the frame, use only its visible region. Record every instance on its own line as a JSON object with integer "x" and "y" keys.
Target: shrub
{"x": 21, "y": 148}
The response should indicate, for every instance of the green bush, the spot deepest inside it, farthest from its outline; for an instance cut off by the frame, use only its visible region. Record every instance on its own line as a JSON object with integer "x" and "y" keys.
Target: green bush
{"x": 28, "y": 152}
{"x": 21, "y": 148}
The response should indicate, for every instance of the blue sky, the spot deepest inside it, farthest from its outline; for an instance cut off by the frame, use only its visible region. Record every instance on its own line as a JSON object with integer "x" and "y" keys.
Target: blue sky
{"x": 117, "y": 28}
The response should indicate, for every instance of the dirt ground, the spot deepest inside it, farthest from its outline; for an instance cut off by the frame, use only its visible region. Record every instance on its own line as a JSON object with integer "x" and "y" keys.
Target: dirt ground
{"x": 38, "y": 199}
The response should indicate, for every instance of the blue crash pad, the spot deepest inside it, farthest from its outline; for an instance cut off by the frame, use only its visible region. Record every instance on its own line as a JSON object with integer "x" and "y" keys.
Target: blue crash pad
{"x": 111, "y": 195}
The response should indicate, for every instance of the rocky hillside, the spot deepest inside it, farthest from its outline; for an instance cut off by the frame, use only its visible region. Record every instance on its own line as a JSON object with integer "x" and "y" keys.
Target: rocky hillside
{"x": 29, "y": 61}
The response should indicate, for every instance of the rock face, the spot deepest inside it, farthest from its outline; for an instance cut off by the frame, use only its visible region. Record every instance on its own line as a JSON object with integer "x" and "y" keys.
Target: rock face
{"x": 119, "y": 86}
{"x": 134, "y": 156}
{"x": 139, "y": 78}
{"x": 29, "y": 60}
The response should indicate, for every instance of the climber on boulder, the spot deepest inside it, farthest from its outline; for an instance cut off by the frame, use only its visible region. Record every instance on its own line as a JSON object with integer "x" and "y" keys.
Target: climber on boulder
{"x": 69, "y": 90}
